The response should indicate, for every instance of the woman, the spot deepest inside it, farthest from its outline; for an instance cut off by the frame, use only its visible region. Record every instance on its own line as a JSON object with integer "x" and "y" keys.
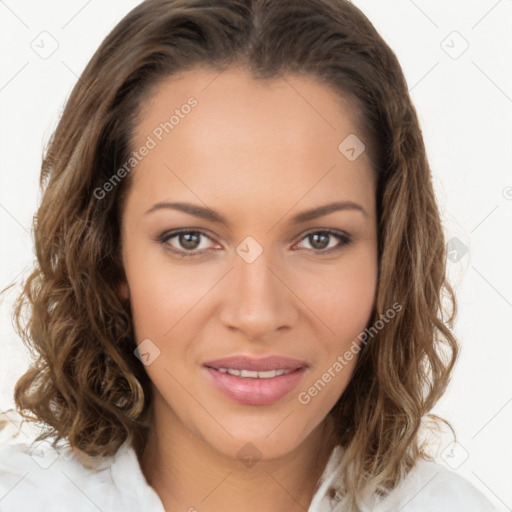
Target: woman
{"x": 240, "y": 274}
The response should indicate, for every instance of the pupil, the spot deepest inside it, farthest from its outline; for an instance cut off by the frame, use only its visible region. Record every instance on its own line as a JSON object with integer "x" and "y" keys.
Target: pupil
{"x": 319, "y": 240}
{"x": 189, "y": 240}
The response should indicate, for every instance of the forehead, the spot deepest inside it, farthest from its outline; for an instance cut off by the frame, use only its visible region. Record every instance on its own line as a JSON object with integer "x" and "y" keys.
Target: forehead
{"x": 245, "y": 135}
{"x": 291, "y": 101}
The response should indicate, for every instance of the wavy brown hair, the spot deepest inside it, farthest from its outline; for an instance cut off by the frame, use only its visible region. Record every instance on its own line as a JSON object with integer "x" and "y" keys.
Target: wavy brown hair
{"x": 85, "y": 384}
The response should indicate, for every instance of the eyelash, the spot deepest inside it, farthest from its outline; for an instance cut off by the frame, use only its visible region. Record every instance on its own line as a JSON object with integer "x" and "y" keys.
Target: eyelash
{"x": 168, "y": 235}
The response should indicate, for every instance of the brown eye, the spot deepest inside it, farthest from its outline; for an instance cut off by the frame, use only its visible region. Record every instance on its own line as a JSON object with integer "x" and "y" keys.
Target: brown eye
{"x": 189, "y": 240}
{"x": 325, "y": 240}
{"x": 319, "y": 240}
{"x": 185, "y": 242}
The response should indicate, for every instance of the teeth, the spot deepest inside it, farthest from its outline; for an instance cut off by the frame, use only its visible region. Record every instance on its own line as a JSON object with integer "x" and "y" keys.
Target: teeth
{"x": 248, "y": 373}
{"x": 253, "y": 374}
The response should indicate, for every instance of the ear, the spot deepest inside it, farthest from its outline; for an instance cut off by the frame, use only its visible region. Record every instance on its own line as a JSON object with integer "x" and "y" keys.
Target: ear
{"x": 123, "y": 290}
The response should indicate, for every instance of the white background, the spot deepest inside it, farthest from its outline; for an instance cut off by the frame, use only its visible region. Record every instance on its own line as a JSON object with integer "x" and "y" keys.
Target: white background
{"x": 465, "y": 108}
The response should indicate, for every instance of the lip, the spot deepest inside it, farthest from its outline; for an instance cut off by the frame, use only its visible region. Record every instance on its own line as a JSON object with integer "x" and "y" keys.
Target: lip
{"x": 256, "y": 391}
{"x": 261, "y": 364}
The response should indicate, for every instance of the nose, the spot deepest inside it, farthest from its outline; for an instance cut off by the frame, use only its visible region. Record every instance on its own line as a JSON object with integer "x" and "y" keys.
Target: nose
{"x": 257, "y": 300}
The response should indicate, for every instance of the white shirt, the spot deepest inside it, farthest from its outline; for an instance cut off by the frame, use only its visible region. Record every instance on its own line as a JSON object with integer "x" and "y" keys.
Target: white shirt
{"x": 40, "y": 479}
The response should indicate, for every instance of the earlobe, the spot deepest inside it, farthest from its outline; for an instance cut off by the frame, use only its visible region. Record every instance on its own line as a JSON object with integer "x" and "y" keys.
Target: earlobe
{"x": 123, "y": 290}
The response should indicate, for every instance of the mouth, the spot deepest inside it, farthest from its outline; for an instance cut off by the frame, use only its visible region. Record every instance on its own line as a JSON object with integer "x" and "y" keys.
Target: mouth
{"x": 251, "y": 381}
{"x": 256, "y": 364}
{"x": 252, "y": 374}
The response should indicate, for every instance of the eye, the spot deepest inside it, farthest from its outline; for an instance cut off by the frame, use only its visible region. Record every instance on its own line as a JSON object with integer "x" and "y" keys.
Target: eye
{"x": 324, "y": 241}
{"x": 185, "y": 242}
{"x": 189, "y": 243}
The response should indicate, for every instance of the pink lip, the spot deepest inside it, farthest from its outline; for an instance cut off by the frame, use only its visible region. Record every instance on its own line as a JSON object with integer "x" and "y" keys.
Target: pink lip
{"x": 256, "y": 391}
{"x": 259, "y": 365}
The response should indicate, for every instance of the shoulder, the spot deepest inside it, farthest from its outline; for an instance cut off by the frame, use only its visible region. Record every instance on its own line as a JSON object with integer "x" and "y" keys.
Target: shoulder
{"x": 40, "y": 478}
{"x": 430, "y": 486}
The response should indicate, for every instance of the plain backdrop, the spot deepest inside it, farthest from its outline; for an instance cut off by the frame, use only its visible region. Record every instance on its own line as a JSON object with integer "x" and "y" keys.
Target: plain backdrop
{"x": 457, "y": 59}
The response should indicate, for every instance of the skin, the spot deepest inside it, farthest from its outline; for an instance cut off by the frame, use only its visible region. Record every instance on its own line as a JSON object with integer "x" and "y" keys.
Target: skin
{"x": 258, "y": 153}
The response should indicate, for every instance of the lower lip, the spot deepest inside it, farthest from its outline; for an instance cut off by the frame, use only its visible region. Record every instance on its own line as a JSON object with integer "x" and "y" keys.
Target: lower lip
{"x": 250, "y": 391}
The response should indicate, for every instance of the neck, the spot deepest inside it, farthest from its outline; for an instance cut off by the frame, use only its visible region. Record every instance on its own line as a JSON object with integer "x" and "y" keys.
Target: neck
{"x": 190, "y": 475}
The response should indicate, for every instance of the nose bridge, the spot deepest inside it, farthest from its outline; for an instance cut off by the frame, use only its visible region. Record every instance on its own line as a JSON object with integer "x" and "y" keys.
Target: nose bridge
{"x": 255, "y": 282}
{"x": 257, "y": 302}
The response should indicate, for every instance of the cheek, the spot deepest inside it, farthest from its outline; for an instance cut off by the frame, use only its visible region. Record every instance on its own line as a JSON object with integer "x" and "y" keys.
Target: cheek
{"x": 342, "y": 298}
{"x": 342, "y": 295}
{"x": 161, "y": 294}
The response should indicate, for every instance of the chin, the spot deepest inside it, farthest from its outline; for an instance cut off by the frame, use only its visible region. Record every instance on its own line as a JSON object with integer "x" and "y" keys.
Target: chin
{"x": 260, "y": 438}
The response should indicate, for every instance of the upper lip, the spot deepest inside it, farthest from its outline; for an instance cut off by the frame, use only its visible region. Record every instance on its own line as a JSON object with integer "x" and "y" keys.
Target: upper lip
{"x": 257, "y": 364}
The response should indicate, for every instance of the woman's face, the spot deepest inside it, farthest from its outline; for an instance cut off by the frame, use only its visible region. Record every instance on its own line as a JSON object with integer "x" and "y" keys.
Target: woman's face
{"x": 264, "y": 272}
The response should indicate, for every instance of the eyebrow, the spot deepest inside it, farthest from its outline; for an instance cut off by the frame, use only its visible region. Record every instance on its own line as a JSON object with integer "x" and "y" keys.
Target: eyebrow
{"x": 211, "y": 215}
